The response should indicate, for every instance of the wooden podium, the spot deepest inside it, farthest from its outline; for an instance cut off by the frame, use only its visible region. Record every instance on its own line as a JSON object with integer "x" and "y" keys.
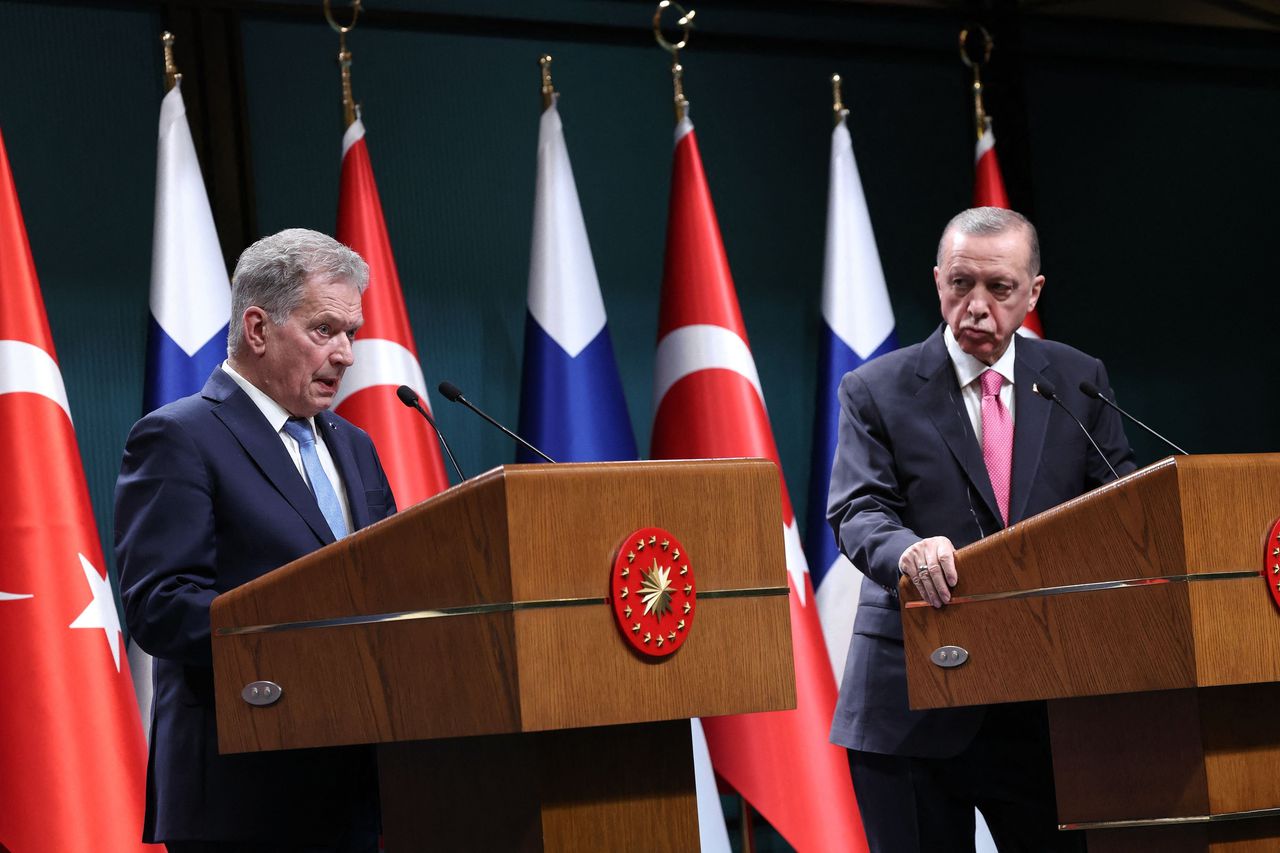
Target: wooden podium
{"x": 472, "y": 639}
{"x": 1139, "y": 611}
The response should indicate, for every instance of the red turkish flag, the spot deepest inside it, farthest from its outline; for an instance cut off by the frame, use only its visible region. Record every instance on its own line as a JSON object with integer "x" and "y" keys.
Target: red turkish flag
{"x": 385, "y": 354}
{"x": 72, "y": 754}
{"x": 709, "y": 404}
{"x": 988, "y": 191}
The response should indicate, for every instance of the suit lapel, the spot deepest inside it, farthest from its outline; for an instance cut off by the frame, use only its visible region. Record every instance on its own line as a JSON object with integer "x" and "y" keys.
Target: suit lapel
{"x": 245, "y": 421}
{"x": 1031, "y": 413}
{"x": 940, "y": 397}
{"x": 338, "y": 439}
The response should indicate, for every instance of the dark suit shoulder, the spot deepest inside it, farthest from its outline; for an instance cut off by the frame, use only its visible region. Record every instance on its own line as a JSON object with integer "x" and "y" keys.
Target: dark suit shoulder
{"x": 1056, "y": 352}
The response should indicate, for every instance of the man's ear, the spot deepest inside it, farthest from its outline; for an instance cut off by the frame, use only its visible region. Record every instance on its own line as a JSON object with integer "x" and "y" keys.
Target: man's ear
{"x": 256, "y": 329}
{"x": 1037, "y": 284}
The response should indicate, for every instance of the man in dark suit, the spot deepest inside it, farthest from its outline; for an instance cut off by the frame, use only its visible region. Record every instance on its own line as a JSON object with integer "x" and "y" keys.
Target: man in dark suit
{"x": 219, "y": 488}
{"x": 929, "y": 460}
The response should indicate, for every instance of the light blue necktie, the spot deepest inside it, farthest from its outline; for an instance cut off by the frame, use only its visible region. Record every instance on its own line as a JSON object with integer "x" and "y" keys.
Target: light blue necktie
{"x": 321, "y": 487}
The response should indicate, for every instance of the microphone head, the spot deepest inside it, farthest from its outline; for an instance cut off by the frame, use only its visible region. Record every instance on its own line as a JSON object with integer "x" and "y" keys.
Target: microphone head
{"x": 407, "y": 395}
{"x": 1045, "y": 389}
{"x": 1090, "y": 390}
{"x": 451, "y": 392}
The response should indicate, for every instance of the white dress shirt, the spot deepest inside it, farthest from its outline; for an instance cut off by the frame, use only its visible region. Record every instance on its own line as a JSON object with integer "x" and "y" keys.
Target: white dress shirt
{"x": 968, "y": 369}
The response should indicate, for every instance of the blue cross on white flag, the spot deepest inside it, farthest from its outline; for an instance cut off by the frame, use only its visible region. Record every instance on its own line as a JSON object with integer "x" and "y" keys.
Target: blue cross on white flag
{"x": 857, "y": 326}
{"x": 190, "y": 298}
{"x": 571, "y": 401}
{"x": 190, "y": 293}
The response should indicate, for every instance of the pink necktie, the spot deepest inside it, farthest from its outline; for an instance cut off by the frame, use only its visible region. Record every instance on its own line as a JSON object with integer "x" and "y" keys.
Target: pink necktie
{"x": 997, "y": 439}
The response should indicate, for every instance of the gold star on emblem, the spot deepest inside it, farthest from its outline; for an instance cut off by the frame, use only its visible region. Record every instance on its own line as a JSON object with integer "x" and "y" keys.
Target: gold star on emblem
{"x": 688, "y": 588}
{"x": 640, "y": 545}
{"x": 624, "y": 592}
{"x": 626, "y": 572}
{"x": 659, "y": 641}
{"x": 671, "y": 637}
{"x": 655, "y": 588}
{"x": 631, "y": 556}
{"x": 680, "y": 625}
{"x": 653, "y": 540}
{"x": 647, "y": 637}
{"x": 687, "y": 608}
{"x": 684, "y": 570}
{"x": 635, "y": 629}
{"x": 675, "y": 555}
{"x": 666, "y": 543}
{"x": 627, "y": 611}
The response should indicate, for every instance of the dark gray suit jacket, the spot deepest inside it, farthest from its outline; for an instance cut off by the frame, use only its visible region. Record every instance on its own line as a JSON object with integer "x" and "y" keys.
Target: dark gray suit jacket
{"x": 908, "y": 466}
{"x": 207, "y": 500}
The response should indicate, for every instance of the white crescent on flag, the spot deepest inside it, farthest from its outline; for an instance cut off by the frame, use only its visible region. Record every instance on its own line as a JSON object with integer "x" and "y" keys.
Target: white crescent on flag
{"x": 26, "y": 368}
{"x": 381, "y": 362}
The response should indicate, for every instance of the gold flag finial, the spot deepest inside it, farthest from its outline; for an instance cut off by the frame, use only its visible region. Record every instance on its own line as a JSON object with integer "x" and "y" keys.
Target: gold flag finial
{"x": 685, "y": 23}
{"x": 172, "y": 76}
{"x": 981, "y": 120}
{"x": 548, "y": 89}
{"x": 350, "y": 109}
{"x": 837, "y": 100}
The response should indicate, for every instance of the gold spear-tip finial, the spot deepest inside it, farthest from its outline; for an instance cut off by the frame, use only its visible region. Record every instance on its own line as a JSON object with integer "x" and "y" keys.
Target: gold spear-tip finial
{"x": 685, "y": 23}
{"x": 548, "y": 89}
{"x": 981, "y": 120}
{"x": 350, "y": 109}
{"x": 837, "y": 99}
{"x": 172, "y": 77}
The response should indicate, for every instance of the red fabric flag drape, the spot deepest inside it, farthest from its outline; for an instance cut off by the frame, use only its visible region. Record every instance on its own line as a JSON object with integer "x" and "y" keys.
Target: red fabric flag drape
{"x": 72, "y": 753}
{"x": 782, "y": 762}
{"x": 988, "y": 191}
{"x": 386, "y": 356}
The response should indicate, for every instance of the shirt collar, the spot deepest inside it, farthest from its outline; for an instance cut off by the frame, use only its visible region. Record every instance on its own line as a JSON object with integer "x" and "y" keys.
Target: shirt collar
{"x": 275, "y": 413}
{"x": 969, "y": 368}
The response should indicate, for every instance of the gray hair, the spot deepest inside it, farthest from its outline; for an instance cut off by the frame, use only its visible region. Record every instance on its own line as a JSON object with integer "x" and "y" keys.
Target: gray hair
{"x": 993, "y": 220}
{"x": 273, "y": 273}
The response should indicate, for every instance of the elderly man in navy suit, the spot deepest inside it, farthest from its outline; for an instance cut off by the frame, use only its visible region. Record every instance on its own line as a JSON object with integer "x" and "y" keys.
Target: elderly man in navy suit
{"x": 219, "y": 488}
{"x": 940, "y": 444}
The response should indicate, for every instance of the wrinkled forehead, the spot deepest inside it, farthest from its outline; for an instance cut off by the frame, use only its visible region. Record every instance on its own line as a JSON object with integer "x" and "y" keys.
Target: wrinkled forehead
{"x": 1009, "y": 248}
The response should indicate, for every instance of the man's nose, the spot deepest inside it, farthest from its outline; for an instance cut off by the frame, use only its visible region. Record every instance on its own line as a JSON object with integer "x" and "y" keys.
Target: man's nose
{"x": 342, "y": 351}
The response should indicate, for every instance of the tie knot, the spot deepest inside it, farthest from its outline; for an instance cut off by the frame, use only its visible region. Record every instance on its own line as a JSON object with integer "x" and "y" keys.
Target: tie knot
{"x": 991, "y": 382}
{"x": 300, "y": 431}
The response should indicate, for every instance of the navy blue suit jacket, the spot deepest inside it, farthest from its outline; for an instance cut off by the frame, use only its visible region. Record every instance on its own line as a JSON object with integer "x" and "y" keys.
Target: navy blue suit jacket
{"x": 208, "y": 499}
{"x": 908, "y": 466}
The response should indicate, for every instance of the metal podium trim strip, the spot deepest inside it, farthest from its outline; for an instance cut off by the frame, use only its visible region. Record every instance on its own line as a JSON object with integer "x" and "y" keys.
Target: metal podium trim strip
{"x": 1071, "y": 589}
{"x": 473, "y": 610}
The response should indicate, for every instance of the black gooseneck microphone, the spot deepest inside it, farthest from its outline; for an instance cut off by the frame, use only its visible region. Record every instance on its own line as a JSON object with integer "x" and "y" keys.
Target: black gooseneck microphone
{"x": 1045, "y": 389}
{"x": 410, "y": 398}
{"x": 453, "y": 394}
{"x": 1090, "y": 390}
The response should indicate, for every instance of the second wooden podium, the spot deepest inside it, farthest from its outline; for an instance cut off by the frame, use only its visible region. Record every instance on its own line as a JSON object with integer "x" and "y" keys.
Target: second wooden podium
{"x": 473, "y": 638}
{"x": 1141, "y": 611}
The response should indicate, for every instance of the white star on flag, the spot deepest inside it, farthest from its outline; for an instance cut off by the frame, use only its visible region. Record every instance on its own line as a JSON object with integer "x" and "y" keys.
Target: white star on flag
{"x": 101, "y": 612}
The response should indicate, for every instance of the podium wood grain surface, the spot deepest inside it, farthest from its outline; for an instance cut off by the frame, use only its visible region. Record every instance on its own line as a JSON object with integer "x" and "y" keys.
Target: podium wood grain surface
{"x": 1161, "y": 677}
{"x": 472, "y": 639}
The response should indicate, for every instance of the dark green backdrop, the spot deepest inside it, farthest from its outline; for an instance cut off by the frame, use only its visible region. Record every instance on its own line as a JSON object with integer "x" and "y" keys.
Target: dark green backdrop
{"x": 1147, "y": 155}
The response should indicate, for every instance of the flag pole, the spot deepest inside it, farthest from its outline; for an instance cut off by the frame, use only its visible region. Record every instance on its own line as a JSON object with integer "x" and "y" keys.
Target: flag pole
{"x": 548, "y": 88}
{"x": 172, "y": 77}
{"x": 685, "y": 23}
{"x": 350, "y": 109}
{"x": 981, "y": 119}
